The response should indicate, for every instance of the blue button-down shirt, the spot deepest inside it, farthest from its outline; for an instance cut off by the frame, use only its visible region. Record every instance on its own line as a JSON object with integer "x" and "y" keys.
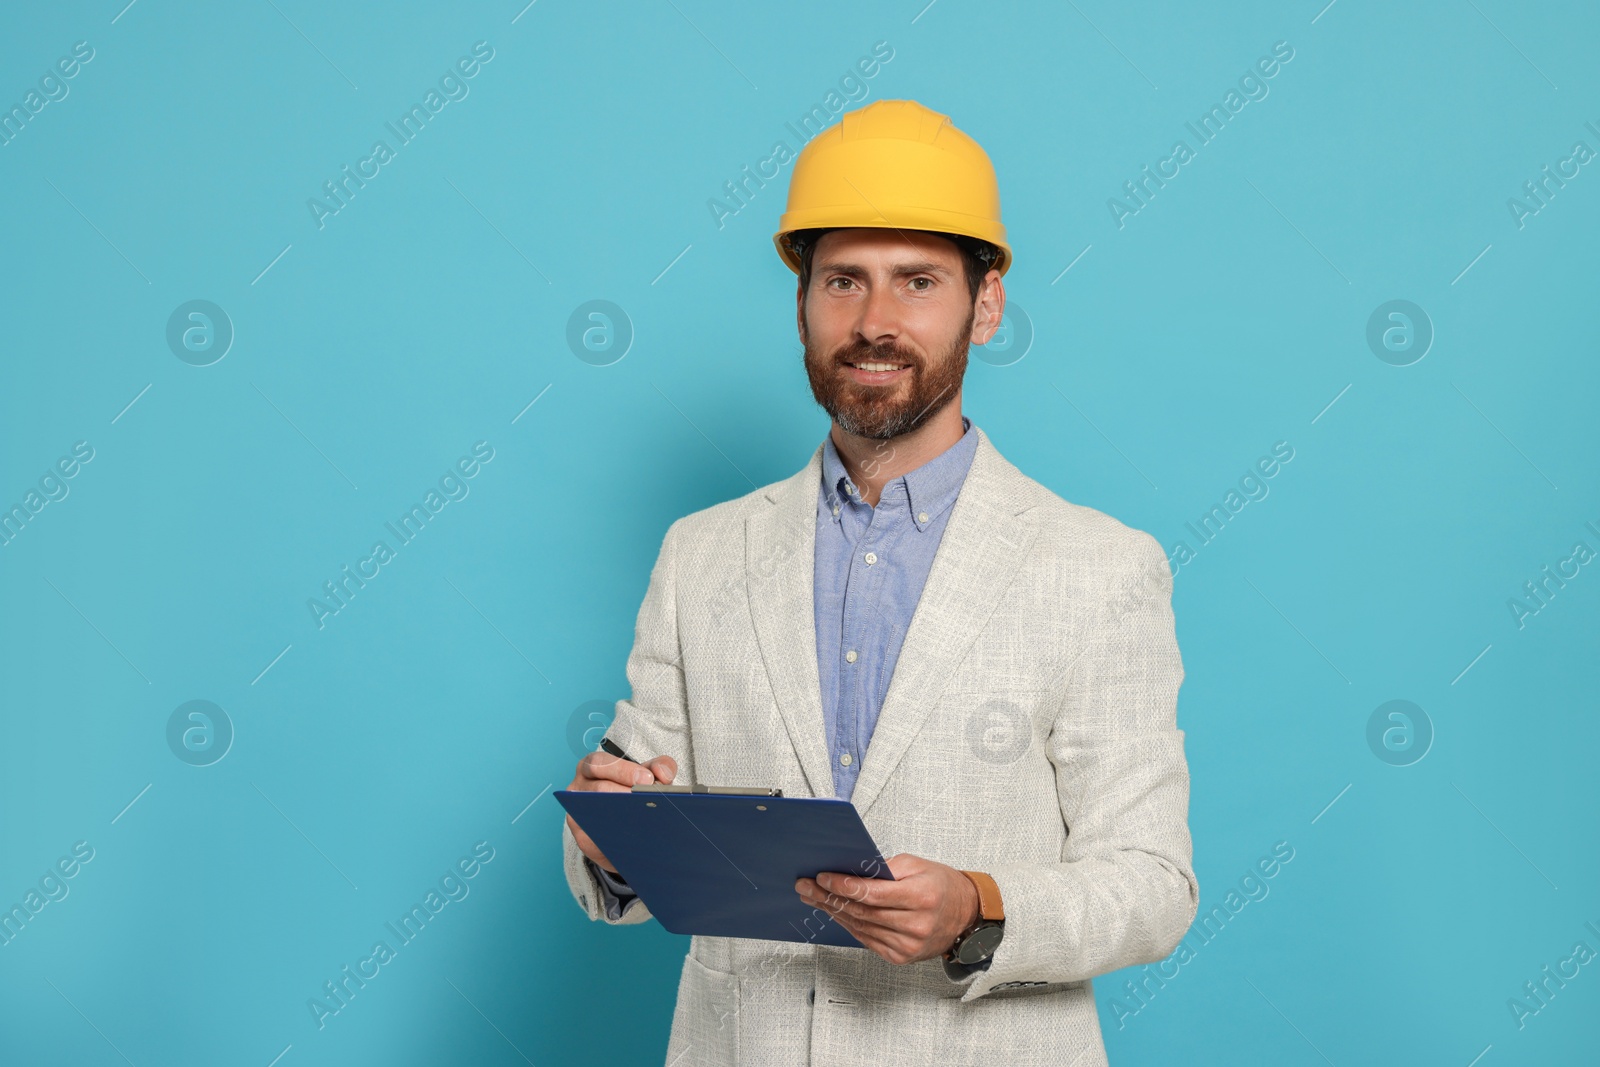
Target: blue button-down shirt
{"x": 871, "y": 563}
{"x": 870, "y": 566}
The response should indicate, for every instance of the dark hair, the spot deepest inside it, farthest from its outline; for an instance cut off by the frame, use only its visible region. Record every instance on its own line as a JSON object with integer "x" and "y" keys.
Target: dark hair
{"x": 976, "y": 256}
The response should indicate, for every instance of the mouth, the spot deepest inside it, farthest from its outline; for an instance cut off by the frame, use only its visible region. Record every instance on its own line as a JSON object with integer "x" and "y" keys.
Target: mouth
{"x": 873, "y": 372}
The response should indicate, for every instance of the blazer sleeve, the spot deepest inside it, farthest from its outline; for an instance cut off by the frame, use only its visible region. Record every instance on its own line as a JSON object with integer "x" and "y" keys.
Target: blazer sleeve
{"x": 653, "y": 722}
{"x": 1124, "y": 891}
{"x": 615, "y": 894}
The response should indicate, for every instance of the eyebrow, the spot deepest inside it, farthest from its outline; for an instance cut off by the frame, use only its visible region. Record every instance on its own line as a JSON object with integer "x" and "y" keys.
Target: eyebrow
{"x": 857, "y": 271}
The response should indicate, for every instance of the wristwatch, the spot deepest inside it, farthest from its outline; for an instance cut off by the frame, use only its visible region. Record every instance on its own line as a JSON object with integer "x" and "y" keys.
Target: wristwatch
{"x": 978, "y": 942}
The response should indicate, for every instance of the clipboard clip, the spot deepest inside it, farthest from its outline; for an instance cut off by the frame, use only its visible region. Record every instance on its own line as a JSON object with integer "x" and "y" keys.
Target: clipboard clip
{"x": 725, "y": 790}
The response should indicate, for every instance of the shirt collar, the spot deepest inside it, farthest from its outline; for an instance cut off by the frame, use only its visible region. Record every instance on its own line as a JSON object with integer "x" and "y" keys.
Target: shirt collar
{"x": 929, "y": 489}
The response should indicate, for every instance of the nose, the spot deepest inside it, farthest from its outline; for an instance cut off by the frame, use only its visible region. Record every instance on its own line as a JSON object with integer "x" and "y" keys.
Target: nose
{"x": 880, "y": 317}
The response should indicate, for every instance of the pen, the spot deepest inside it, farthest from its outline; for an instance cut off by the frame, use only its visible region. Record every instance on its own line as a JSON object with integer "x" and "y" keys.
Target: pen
{"x": 616, "y": 750}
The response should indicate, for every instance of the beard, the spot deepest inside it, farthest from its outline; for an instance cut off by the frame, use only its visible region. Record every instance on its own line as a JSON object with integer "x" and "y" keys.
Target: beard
{"x": 881, "y": 412}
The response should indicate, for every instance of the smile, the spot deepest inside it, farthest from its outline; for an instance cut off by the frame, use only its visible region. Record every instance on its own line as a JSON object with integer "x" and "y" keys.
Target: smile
{"x": 875, "y": 373}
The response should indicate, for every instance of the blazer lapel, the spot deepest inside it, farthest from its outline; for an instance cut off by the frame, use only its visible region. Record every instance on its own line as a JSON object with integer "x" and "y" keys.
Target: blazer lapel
{"x": 984, "y": 543}
{"x": 780, "y": 561}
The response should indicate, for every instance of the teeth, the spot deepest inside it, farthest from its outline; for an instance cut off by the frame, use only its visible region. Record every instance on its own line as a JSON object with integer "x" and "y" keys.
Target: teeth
{"x": 878, "y": 366}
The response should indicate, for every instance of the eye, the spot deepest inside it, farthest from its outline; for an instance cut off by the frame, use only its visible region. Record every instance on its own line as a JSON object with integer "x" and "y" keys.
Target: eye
{"x": 923, "y": 278}
{"x": 839, "y": 278}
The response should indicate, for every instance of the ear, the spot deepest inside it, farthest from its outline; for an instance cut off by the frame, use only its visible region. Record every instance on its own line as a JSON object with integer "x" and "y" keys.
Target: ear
{"x": 990, "y": 310}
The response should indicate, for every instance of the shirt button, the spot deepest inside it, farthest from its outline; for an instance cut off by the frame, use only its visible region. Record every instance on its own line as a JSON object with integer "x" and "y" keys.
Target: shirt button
{"x": 845, "y": 759}
{"x": 922, "y": 516}
{"x": 850, "y": 657}
{"x": 836, "y": 509}
{"x": 871, "y": 558}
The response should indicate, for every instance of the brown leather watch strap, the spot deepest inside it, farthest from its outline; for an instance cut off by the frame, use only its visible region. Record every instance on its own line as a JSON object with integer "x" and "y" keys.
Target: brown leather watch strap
{"x": 989, "y": 906}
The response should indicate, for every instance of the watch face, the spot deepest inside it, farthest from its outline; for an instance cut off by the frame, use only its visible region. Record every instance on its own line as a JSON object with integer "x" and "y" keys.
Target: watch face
{"x": 980, "y": 944}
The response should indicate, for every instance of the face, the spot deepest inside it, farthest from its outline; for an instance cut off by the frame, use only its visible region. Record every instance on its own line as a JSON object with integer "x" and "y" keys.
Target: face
{"x": 886, "y": 323}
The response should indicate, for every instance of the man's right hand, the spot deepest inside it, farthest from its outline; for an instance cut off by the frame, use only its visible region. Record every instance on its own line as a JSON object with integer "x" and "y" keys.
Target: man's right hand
{"x": 601, "y": 772}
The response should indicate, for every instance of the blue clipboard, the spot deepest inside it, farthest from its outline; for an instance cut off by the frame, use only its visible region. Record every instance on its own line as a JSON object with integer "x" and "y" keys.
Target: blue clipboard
{"x": 725, "y": 865}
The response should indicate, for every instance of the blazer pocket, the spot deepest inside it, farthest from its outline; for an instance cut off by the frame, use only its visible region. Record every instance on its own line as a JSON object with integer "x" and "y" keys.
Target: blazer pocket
{"x": 705, "y": 1022}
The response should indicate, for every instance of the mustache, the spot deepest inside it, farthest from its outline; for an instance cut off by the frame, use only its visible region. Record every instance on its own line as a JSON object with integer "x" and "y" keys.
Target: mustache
{"x": 866, "y": 352}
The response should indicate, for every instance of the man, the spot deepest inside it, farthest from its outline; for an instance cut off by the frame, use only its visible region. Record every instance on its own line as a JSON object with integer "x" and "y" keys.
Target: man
{"x": 988, "y": 672}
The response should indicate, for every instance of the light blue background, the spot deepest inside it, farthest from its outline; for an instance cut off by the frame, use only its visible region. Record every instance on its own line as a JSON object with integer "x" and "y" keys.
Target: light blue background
{"x": 425, "y": 316}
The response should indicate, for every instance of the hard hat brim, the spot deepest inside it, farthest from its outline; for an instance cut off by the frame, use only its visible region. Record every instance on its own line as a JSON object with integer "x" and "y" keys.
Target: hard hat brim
{"x": 931, "y": 220}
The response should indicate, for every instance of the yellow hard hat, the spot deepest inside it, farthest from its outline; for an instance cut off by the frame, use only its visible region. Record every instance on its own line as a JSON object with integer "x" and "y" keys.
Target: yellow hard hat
{"x": 894, "y": 164}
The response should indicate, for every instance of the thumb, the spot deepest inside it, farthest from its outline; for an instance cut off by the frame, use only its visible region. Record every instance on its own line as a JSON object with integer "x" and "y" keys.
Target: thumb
{"x": 665, "y": 768}
{"x": 902, "y": 864}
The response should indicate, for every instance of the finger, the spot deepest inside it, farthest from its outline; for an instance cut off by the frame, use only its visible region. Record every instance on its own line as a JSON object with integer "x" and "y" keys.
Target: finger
{"x": 837, "y": 906}
{"x": 599, "y": 764}
{"x": 603, "y": 766}
{"x": 817, "y": 897}
{"x": 864, "y": 934}
{"x": 585, "y": 782}
{"x": 815, "y": 892}
{"x": 883, "y": 920}
{"x": 874, "y": 939}
{"x": 873, "y": 891}
{"x": 905, "y": 865}
{"x": 904, "y": 929}
{"x": 665, "y": 768}
{"x": 894, "y": 947}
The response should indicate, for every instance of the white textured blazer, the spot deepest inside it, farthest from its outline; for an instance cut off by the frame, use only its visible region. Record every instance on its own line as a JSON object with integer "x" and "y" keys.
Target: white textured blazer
{"x": 1029, "y": 730}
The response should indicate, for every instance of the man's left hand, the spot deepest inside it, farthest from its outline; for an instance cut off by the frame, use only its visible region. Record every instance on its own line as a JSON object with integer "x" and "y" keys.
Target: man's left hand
{"x": 915, "y": 917}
